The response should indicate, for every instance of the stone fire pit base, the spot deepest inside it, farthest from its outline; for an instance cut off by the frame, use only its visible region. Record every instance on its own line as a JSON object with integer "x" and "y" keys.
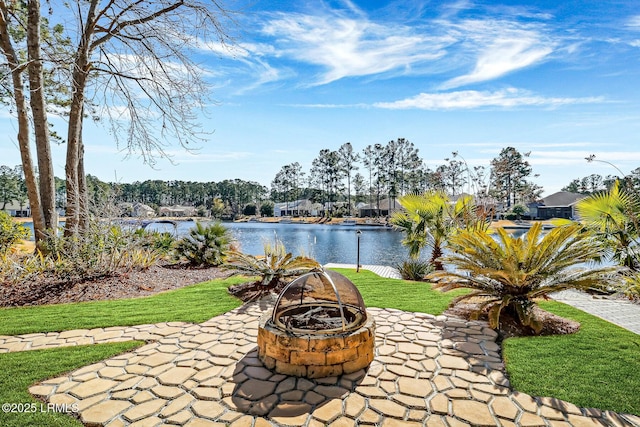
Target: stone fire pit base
{"x": 315, "y": 355}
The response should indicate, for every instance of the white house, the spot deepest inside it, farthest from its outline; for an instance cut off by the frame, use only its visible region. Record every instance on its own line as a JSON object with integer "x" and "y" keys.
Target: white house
{"x": 15, "y": 209}
{"x": 177, "y": 210}
{"x": 302, "y": 207}
{"x": 141, "y": 210}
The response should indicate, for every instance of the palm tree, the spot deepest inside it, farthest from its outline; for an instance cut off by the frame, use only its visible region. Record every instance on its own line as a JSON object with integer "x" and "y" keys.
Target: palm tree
{"x": 508, "y": 273}
{"x": 429, "y": 219}
{"x": 615, "y": 215}
{"x": 276, "y": 265}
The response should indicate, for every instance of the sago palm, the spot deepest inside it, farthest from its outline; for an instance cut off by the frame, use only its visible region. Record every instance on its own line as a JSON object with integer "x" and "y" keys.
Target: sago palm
{"x": 508, "y": 273}
{"x": 429, "y": 219}
{"x": 615, "y": 216}
{"x": 276, "y": 265}
{"x": 205, "y": 245}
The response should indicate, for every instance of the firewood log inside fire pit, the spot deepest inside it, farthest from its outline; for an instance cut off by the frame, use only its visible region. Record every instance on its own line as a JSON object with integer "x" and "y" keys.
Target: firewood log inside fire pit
{"x": 315, "y": 319}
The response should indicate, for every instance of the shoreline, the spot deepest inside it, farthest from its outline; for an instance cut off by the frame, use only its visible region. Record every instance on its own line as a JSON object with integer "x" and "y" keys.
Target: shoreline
{"x": 28, "y": 246}
{"x": 504, "y": 223}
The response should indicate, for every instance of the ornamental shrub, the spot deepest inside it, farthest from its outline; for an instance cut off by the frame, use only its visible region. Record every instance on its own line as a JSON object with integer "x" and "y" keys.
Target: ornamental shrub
{"x": 205, "y": 245}
{"x": 510, "y": 274}
{"x": 10, "y": 232}
{"x": 273, "y": 268}
{"x": 414, "y": 269}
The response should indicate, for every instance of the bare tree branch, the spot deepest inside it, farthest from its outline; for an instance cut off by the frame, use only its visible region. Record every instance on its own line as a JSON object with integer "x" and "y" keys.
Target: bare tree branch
{"x": 122, "y": 25}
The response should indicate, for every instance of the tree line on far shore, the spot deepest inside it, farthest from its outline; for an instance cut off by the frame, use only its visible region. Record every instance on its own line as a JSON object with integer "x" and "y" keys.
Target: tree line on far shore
{"x": 391, "y": 170}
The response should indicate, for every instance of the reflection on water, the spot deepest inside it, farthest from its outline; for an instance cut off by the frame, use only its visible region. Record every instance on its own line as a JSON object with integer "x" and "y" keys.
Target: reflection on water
{"x": 325, "y": 243}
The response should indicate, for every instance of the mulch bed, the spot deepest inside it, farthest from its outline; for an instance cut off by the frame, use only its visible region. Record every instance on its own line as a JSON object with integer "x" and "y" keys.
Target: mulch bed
{"x": 132, "y": 284}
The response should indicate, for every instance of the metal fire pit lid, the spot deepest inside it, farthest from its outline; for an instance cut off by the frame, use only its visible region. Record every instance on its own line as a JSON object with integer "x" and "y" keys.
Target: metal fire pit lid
{"x": 320, "y": 289}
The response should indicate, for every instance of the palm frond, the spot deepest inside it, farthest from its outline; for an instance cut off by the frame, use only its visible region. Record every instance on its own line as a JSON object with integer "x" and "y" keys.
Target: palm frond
{"x": 607, "y": 210}
{"x": 429, "y": 218}
{"x": 512, "y": 271}
{"x": 273, "y": 267}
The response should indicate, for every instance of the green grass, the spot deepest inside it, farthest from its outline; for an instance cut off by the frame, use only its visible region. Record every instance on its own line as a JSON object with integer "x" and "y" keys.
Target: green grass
{"x": 196, "y": 303}
{"x": 595, "y": 368}
{"x": 21, "y": 370}
{"x": 400, "y": 294}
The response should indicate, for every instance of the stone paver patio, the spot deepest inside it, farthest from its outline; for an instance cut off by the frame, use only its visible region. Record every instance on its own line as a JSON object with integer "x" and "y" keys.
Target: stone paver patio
{"x": 428, "y": 371}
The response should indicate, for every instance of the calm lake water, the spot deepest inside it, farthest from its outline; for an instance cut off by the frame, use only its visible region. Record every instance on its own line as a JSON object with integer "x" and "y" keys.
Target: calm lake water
{"x": 324, "y": 243}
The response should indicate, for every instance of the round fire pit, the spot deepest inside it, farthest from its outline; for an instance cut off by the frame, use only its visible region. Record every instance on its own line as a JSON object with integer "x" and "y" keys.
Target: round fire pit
{"x": 319, "y": 327}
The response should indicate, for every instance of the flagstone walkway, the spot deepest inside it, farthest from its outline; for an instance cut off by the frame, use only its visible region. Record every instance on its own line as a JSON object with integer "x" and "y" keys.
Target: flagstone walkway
{"x": 428, "y": 371}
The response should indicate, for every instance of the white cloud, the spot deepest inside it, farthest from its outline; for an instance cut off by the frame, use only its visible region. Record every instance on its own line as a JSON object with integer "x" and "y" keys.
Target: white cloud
{"x": 348, "y": 43}
{"x": 502, "y": 57}
{"x": 469, "y": 99}
{"x": 346, "y": 46}
{"x": 500, "y": 47}
{"x": 633, "y": 22}
{"x": 328, "y": 43}
{"x": 238, "y": 51}
{"x": 450, "y": 9}
{"x": 255, "y": 56}
{"x": 144, "y": 66}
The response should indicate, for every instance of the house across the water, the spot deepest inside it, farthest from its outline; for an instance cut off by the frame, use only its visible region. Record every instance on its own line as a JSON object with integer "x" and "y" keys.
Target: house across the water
{"x": 558, "y": 205}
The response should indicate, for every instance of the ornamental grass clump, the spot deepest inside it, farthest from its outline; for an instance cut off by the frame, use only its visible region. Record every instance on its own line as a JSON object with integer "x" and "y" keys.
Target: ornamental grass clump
{"x": 414, "y": 269}
{"x": 104, "y": 249}
{"x": 507, "y": 274}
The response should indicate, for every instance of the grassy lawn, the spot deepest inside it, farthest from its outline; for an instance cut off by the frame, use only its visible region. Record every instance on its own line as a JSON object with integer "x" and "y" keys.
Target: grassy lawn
{"x": 196, "y": 304}
{"x": 395, "y": 293}
{"x": 596, "y": 368}
{"x": 20, "y": 370}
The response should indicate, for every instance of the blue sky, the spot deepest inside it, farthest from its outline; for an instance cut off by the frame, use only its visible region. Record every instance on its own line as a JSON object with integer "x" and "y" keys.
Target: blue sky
{"x": 557, "y": 79}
